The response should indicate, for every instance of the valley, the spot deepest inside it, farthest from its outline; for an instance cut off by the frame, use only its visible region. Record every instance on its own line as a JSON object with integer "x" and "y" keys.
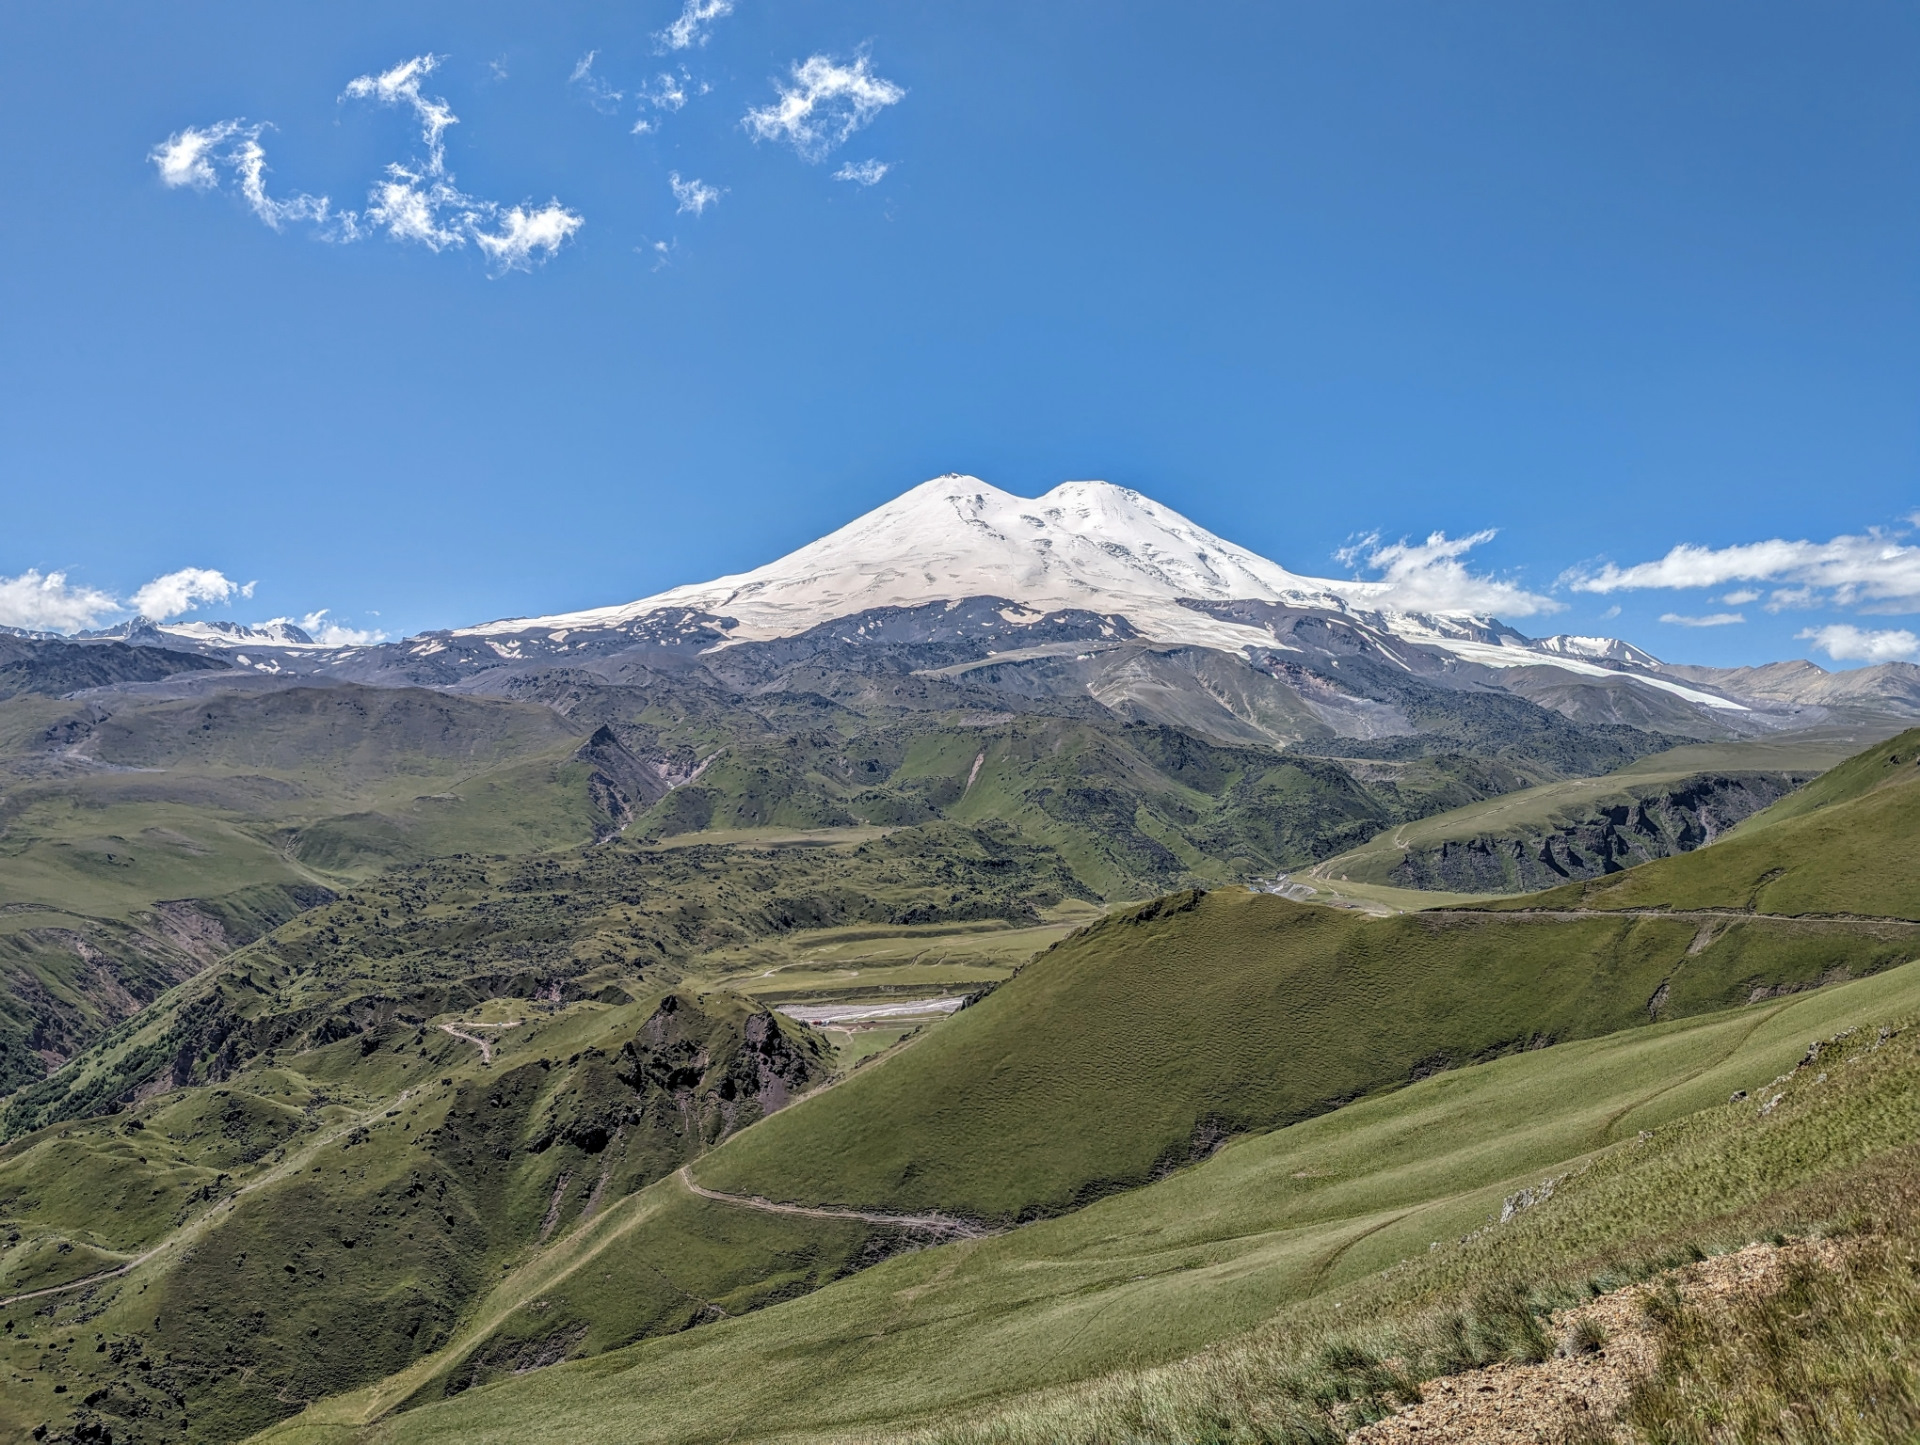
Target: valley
{"x": 1120, "y": 1000}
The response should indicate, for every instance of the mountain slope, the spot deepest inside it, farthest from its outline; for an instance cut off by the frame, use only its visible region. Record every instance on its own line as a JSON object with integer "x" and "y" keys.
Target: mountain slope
{"x": 1374, "y": 1227}
{"x": 1143, "y": 1041}
{"x": 1839, "y": 850}
{"x": 1131, "y": 1050}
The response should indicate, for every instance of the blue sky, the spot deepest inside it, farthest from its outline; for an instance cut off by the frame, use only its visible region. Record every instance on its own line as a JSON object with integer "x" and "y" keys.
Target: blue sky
{"x": 1608, "y": 279}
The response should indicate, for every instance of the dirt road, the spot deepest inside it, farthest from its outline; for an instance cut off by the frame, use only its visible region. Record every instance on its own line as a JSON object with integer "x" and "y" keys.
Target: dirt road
{"x": 942, "y": 1227}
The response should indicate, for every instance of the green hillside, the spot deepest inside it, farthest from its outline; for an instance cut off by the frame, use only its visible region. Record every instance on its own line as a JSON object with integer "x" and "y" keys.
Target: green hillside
{"x": 1353, "y": 1226}
{"x": 139, "y": 844}
{"x": 1144, "y": 1040}
{"x": 478, "y": 1115}
{"x": 1839, "y": 848}
{"x": 124, "y": 818}
{"x": 1532, "y": 838}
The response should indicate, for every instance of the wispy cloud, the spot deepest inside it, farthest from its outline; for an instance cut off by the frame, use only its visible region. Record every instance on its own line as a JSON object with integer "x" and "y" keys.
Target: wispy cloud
{"x": 1844, "y": 642}
{"x": 862, "y": 173}
{"x": 667, "y": 92}
{"x": 694, "y": 25}
{"x": 670, "y": 92}
{"x": 195, "y": 158}
{"x": 1875, "y": 571}
{"x": 186, "y": 158}
{"x": 400, "y": 86}
{"x": 694, "y": 195}
{"x": 1431, "y": 577}
{"x": 182, "y": 591}
{"x": 1712, "y": 619}
{"x": 47, "y": 602}
{"x": 416, "y": 201}
{"x": 520, "y": 233}
{"x": 826, "y": 103}
{"x": 599, "y": 92}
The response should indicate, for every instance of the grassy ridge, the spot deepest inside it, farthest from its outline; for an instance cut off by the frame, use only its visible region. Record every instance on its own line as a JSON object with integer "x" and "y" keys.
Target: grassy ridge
{"x": 1567, "y": 808}
{"x": 1841, "y": 847}
{"x": 1295, "y": 1220}
{"x": 1141, "y": 1042}
{"x": 323, "y": 1224}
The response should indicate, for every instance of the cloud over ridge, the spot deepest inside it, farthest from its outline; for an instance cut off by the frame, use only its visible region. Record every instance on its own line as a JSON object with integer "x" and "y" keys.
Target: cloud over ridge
{"x": 1430, "y": 576}
{"x": 1844, "y": 642}
{"x": 1875, "y": 571}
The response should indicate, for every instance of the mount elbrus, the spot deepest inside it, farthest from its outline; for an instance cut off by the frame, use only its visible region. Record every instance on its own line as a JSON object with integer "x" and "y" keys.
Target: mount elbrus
{"x": 1091, "y": 591}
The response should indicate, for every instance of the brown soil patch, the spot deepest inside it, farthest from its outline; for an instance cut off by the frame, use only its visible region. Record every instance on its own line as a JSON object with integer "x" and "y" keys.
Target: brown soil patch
{"x": 1572, "y": 1394}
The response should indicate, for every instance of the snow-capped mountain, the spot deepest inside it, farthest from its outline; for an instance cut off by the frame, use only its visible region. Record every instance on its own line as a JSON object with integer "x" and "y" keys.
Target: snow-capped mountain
{"x": 1090, "y": 546}
{"x": 1086, "y": 546}
{"x": 1091, "y": 591}
{"x": 278, "y": 633}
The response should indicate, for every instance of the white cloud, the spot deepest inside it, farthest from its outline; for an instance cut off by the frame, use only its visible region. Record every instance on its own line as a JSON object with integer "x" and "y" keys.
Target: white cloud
{"x": 433, "y": 212}
{"x": 670, "y": 92}
{"x": 1845, "y": 643}
{"x": 401, "y": 86}
{"x": 250, "y": 161}
{"x": 862, "y": 173}
{"x": 1430, "y": 577}
{"x": 333, "y": 634}
{"x": 1611, "y": 613}
{"x": 1875, "y": 570}
{"x": 1741, "y": 598}
{"x": 45, "y": 602}
{"x": 694, "y": 195}
{"x": 182, "y": 591}
{"x": 195, "y": 158}
{"x": 1712, "y": 619}
{"x": 416, "y": 201}
{"x": 599, "y": 93}
{"x": 695, "y": 24}
{"x": 522, "y": 232}
{"x": 186, "y": 157}
{"x": 826, "y": 103}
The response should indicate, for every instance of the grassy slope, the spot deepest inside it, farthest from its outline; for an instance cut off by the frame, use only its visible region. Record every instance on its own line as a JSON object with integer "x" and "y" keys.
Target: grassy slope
{"x": 322, "y": 1222}
{"x": 1149, "y": 997}
{"x": 1532, "y": 812}
{"x": 440, "y": 935}
{"x": 1135, "y": 1044}
{"x": 1134, "y": 809}
{"x": 1843, "y": 846}
{"x": 229, "y": 797}
{"x": 1287, "y": 1220}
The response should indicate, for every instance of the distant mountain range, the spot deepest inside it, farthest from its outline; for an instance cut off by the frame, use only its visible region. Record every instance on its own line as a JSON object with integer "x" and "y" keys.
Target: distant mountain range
{"x": 1091, "y": 590}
